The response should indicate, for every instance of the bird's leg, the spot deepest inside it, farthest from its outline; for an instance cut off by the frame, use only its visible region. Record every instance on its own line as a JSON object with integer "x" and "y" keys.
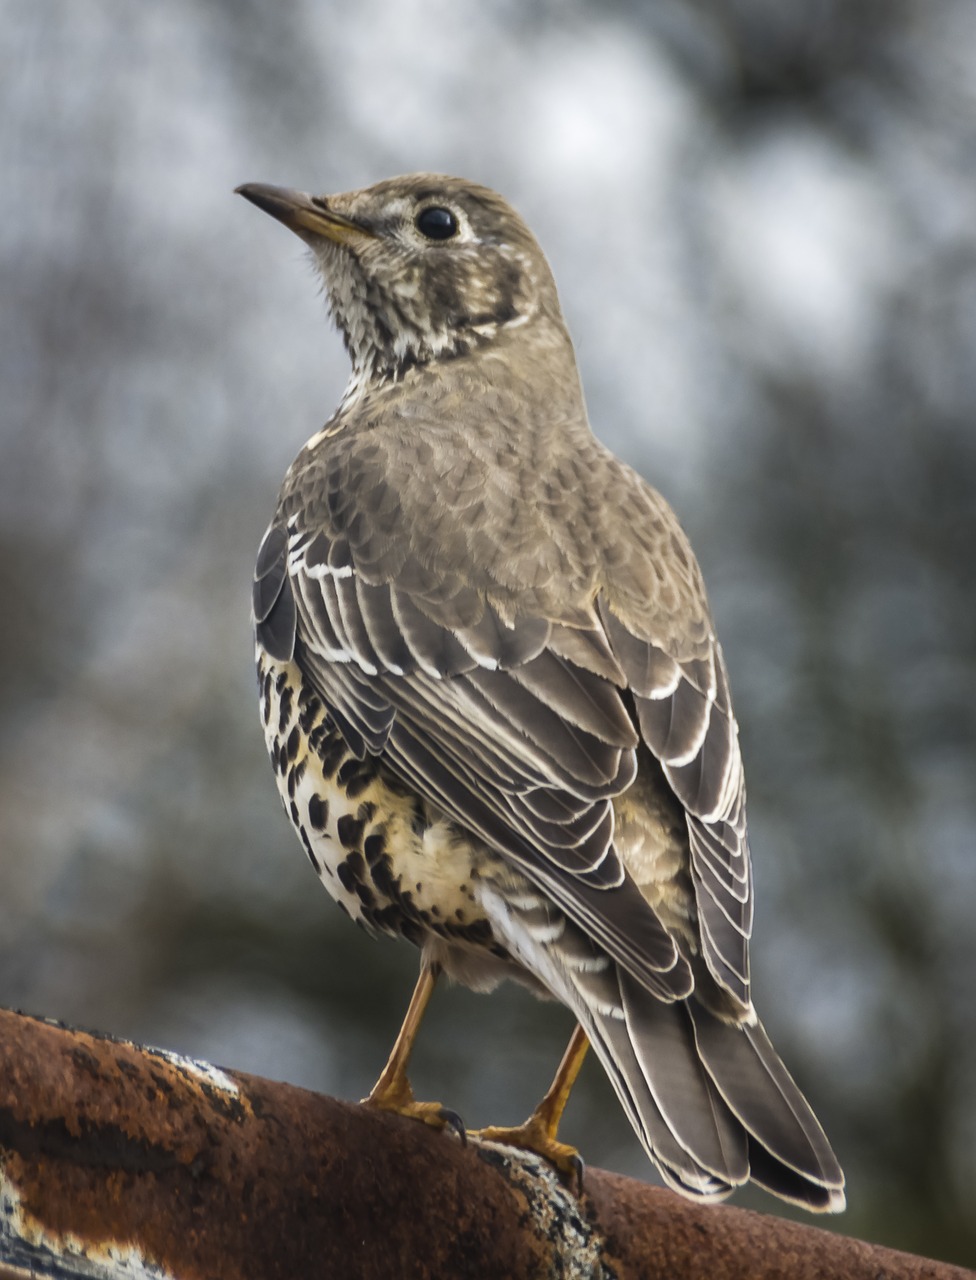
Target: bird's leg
{"x": 538, "y": 1133}
{"x": 392, "y": 1091}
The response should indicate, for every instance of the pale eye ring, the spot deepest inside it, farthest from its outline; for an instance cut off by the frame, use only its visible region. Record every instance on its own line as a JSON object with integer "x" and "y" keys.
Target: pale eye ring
{"x": 436, "y": 223}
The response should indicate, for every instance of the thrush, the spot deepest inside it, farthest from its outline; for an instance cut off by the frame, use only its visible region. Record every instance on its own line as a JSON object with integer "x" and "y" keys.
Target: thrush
{"x": 493, "y": 697}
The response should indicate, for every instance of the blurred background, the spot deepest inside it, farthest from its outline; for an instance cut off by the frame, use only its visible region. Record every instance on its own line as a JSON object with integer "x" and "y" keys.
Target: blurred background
{"x": 763, "y": 221}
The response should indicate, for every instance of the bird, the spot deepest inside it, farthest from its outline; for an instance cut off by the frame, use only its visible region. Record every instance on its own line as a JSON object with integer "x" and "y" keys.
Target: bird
{"x": 494, "y": 700}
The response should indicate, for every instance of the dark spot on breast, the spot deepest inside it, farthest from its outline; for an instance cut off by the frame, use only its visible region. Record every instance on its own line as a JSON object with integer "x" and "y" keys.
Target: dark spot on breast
{"x": 294, "y": 742}
{"x": 308, "y": 714}
{"x": 284, "y": 711}
{"x": 329, "y": 746}
{"x": 350, "y": 831}
{"x": 350, "y": 871}
{"x": 365, "y": 895}
{"x": 310, "y": 851}
{"x": 382, "y": 873}
{"x": 318, "y": 812}
{"x": 356, "y": 775}
{"x": 280, "y": 682}
{"x": 374, "y": 846}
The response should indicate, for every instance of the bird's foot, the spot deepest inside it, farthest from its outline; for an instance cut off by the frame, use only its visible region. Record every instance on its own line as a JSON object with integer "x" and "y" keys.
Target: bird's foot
{"x": 400, "y": 1100}
{"x": 536, "y": 1135}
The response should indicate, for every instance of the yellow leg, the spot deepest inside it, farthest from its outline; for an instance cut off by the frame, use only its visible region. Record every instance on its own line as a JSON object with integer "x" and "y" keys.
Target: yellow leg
{"x": 392, "y": 1091}
{"x": 538, "y": 1133}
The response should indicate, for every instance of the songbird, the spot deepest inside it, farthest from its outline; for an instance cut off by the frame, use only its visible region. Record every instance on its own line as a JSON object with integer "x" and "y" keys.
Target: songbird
{"x": 493, "y": 697}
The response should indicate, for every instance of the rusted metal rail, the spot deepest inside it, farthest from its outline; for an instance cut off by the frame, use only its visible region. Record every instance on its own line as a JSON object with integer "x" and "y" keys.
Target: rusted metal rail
{"x": 123, "y": 1163}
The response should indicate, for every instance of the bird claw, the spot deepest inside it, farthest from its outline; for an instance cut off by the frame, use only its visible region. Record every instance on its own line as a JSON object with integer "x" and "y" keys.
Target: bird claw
{"x": 401, "y": 1102}
{"x": 534, "y": 1136}
{"x": 451, "y": 1120}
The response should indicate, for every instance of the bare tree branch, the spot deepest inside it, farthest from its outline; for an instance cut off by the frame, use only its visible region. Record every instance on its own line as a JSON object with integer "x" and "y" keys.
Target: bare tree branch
{"x": 118, "y": 1161}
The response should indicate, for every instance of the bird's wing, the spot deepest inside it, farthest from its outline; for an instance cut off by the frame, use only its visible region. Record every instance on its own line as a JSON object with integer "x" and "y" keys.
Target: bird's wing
{"x": 519, "y": 727}
{"x": 685, "y": 715}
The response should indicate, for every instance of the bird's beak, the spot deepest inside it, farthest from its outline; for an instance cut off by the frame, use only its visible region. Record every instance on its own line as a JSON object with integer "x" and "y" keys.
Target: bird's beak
{"x": 308, "y": 216}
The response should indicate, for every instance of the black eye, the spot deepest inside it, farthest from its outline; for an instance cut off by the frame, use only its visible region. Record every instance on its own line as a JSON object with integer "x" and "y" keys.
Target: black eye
{"x": 436, "y": 223}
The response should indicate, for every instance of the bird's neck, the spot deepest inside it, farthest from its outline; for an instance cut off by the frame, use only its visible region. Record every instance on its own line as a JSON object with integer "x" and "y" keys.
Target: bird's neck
{"x": 533, "y": 364}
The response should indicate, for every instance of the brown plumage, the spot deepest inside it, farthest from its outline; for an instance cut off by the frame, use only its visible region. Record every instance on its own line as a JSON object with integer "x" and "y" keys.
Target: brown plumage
{"x": 493, "y": 695}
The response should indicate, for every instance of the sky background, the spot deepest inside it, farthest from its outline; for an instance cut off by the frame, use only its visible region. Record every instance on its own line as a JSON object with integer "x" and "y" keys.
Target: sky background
{"x": 762, "y": 219}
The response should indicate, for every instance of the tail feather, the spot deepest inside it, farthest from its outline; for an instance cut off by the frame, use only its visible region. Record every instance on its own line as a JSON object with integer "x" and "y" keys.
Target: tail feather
{"x": 678, "y": 1167}
{"x": 591, "y": 986}
{"x": 762, "y": 1094}
{"x": 767, "y": 1172}
{"x": 712, "y": 1117}
{"x": 664, "y": 1047}
{"x": 709, "y": 1099}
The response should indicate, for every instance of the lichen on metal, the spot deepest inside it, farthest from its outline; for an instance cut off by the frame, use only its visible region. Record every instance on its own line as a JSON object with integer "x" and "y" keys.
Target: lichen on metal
{"x": 205, "y": 1072}
{"x": 27, "y": 1246}
{"x": 576, "y": 1247}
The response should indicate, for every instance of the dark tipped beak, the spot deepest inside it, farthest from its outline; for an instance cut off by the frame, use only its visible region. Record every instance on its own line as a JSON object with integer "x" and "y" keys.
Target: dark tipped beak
{"x": 308, "y": 216}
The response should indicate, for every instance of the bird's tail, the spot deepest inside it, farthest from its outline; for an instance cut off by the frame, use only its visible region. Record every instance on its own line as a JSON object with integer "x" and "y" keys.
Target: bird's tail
{"x": 710, "y": 1100}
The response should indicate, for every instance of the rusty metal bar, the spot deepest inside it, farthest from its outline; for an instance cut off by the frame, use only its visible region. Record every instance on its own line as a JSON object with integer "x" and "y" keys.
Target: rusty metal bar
{"x": 123, "y": 1163}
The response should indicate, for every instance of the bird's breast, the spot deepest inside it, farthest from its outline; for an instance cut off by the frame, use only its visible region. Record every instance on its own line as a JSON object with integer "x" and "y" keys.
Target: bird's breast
{"x": 390, "y": 865}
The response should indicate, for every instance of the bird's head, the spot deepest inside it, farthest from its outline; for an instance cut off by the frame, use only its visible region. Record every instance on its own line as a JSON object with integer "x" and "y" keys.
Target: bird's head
{"x": 420, "y": 268}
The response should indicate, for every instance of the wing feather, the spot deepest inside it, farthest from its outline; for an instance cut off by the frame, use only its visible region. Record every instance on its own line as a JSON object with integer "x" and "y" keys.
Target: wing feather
{"x": 685, "y": 716}
{"x": 435, "y": 649}
{"x": 275, "y": 620}
{"x": 591, "y": 703}
{"x": 376, "y": 608}
{"x": 353, "y": 625}
{"x": 493, "y": 643}
{"x": 519, "y": 726}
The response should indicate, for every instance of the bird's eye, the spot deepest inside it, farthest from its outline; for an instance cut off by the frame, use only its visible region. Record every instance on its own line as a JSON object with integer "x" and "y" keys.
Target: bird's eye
{"x": 436, "y": 223}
